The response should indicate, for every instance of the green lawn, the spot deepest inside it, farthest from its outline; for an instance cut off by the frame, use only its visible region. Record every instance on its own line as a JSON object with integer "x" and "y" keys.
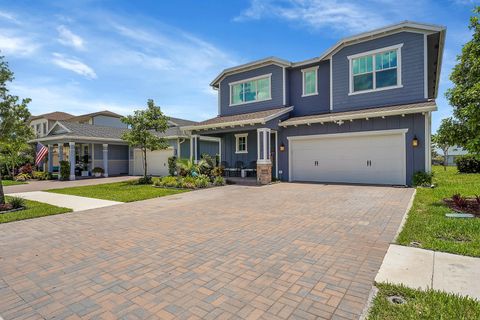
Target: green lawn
{"x": 119, "y": 191}
{"x": 34, "y": 210}
{"x": 427, "y": 223}
{"x": 7, "y": 183}
{"x": 422, "y": 305}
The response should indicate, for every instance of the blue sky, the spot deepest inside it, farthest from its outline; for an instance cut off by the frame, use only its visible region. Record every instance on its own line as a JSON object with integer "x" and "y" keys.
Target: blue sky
{"x": 85, "y": 56}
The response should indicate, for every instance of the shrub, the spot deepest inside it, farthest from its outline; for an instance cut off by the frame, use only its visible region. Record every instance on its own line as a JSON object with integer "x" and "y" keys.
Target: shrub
{"x": 42, "y": 175}
{"x": 188, "y": 182}
{"x": 172, "y": 165}
{"x": 217, "y": 171}
{"x": 459, "y": 201}
{"x": 186, "y": 167}
{"x": 421, "y": 178}
{"x": 219, "y": 181}
{"x": 22, "y": 177}
{"x": 98, "y": 170}
{"x": 202, "y": 181}
{"x": 468, "y": 164}
{"x": 64, "y": 170}
{"x": 206, "y": 164}
{"x": 16, "y": 202}
{"x": 170, "y": 182}
{"x": 26, "y": 169}
{"x": 145, "y": 180}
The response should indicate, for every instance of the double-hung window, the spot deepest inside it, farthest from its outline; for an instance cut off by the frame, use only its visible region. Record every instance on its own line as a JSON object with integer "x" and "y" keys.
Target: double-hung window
{"x": 309, "y": 81}
{"x": 241, "y": 143}
{"x": 251, "y": 90}
{"x": 376, "y": 70}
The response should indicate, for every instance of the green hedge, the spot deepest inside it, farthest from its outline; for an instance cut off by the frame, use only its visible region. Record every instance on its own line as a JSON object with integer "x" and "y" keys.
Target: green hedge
{"x": 468, "y": 164}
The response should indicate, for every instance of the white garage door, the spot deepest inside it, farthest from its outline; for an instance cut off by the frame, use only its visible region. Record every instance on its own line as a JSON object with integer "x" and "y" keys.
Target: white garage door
{"x": 373, "y": 158}
{"x": 157, "y": 162}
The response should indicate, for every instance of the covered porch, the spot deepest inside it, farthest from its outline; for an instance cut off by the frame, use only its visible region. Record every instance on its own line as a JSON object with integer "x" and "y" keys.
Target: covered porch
{"x": 84, "y": 156}
{"x": 248, "y": 143}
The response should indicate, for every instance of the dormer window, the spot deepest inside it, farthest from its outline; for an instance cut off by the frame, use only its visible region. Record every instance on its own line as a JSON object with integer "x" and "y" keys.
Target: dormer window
{"x": 251, "y": 90}
{"x": 309, "y": 81}
{"x": 376, "y": 70}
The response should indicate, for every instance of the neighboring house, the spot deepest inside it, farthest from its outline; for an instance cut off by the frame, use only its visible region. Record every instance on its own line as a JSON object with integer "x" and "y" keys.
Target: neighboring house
{"x": 94, "y": 140}
{"x": 359, "y": 113}
{"x": 41, "y": 124}
{"x": 453, "y": 153}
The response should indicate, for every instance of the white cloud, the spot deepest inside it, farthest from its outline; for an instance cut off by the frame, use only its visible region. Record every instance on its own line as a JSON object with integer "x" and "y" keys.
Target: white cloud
{"x": 316, "y": 14}
{"x": 68, "y": 38}
{"x": 16, "y": 45}
{"x": 9, "y": 17}
{"x": 74, "y": 65}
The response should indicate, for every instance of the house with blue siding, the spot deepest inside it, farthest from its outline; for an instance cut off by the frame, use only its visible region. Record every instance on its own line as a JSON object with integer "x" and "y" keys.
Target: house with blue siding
{"x": 358, "y": 113}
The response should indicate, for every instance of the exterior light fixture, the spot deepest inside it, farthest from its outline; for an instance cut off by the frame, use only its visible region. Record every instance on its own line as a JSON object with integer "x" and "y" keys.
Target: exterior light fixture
{"x": 415, "y": 141}
{"x": 282, "y": 147}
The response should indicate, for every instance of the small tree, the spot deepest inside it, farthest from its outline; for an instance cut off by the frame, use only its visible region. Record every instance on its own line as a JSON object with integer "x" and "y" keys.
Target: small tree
{"x": 446, "y": 137}
{"x": 14, "y": 115}
{"x": 144, "y": 126}
{"x": 464, "y": 96}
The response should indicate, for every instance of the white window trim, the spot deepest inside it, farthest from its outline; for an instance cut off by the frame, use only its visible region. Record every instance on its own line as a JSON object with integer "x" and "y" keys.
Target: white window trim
{"x": 231, "y": 84}
{"x": 237, "y": 138}
{"x": 399, "y": 84}
{"x": 316, "y": 81}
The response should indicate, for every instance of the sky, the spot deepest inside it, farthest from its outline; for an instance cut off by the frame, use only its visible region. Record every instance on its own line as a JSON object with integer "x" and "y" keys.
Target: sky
{"x": 86, "y": 56}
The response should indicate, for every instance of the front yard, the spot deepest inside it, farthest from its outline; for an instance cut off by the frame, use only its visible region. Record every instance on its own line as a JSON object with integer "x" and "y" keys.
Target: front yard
{"x": 34, "y": 210}
{"x": 421, "y": 305}
{"x": 126, "y": 191}
{"x": 427, "y": 224}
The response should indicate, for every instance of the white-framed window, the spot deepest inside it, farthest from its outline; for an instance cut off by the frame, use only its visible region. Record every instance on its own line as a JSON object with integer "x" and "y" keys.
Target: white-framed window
{"x": 241, "y": 143}
{"x": 251, "y": 90}
{"x": 376, "y": 70}
{"x": 310, "y": 81}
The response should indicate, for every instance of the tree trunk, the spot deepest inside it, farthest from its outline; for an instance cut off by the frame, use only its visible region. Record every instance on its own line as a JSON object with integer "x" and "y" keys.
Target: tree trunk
{"x": 2, "y": 195}
{"x": 145, "y": 163}
{"x": 445, "y": 155}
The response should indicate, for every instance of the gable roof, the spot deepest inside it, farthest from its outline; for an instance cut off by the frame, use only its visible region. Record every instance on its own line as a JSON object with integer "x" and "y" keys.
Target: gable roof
{"x": 93, "y": 114}
{"x": 365, "y": 36}
{"x": 240, "y": 119}
{"x": 54, "y": 116}
{"x": 181, "y": 122}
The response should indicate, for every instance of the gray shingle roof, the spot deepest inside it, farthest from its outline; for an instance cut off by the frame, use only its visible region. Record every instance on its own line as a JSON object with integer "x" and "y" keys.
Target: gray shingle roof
{"x": 94, "y": 131}
{"x": 55, "y": 116}
{"x": 395, "y": 109}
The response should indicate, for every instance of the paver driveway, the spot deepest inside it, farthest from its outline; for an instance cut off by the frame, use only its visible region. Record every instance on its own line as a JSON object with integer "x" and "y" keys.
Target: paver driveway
{"x": 280, "y": 251}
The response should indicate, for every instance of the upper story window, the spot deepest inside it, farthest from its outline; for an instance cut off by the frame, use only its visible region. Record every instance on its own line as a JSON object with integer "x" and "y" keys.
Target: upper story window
{"x": 44, "y": 128}
{"x": 241, "y": 143}
{"x": 251, "y": 90}
{"x": 376, "y": 70}
{"x": 309, "y": 81}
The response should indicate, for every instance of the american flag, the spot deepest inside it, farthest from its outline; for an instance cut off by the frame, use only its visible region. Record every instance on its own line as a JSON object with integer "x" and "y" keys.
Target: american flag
{"x": 42, "y": 151}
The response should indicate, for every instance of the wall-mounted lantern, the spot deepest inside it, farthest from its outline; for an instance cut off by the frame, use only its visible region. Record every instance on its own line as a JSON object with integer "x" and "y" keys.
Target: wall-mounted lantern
{"x": 415, "y": 141}
{"x": 282, "y": 147}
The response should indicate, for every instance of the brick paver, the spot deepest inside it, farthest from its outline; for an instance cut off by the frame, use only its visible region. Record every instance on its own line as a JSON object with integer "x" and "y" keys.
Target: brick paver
{"x": 301, "y": 251}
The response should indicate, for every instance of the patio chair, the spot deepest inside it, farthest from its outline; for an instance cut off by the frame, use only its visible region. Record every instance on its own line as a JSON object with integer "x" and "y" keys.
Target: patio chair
{"x": 253, "y": 169}
{"x": 226, "y": 167}
{"x": 239, "y": 165}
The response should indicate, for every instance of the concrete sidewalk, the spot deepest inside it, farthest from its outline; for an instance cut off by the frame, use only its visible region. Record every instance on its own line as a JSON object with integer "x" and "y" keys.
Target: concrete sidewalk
{"x": 75, "y": 203}
{"x": 421, "y": 269}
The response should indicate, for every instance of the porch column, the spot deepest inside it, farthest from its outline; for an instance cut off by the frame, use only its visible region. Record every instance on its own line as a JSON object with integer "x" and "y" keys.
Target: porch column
{"x": 71, "y": 158}
{"x": 264, "y": 164}
{"x": 60, "y": 158}
{"x": 50, "y": 158}
{"x": 105, "y": 159}
{"x": 194, "y": 148}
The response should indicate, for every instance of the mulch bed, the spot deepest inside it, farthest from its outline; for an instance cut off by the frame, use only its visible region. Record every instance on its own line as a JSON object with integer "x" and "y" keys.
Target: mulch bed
{"x": 471, "y": 206}
{"x": 7, "y": 208}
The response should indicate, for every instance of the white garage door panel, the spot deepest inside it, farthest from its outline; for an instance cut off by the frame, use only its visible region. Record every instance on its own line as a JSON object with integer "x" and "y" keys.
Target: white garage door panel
{"x": 157, "y": 162}
{"x": 344, "y": 159}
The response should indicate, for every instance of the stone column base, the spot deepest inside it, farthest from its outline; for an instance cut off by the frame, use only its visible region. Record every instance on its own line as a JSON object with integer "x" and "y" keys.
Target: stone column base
{"x": 264, "y": 173}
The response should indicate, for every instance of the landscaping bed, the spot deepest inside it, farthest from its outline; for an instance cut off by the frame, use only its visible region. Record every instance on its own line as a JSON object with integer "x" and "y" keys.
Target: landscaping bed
{"x": 430, "y": 304}
{"x": 427, "y": 224}
{"x": 29, "y": 210}
{"x": 464, "y": 204}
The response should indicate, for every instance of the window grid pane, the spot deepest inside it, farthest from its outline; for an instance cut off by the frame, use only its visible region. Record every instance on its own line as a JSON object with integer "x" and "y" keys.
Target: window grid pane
{"x": 255, "y": 90}
{"x": 310, "y": 80}
{"x": 386, "y": 72}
